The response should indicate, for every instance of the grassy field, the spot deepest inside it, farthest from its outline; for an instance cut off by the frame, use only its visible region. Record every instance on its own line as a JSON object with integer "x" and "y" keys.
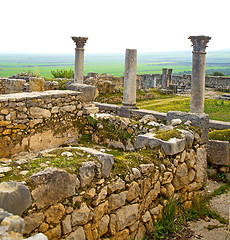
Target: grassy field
{"x": 217, "y": 109}
{"x": 180, "y": 62}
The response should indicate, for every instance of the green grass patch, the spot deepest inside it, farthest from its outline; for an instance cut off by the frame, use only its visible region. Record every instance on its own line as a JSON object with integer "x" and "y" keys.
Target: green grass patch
{"x": 217, "y": 109}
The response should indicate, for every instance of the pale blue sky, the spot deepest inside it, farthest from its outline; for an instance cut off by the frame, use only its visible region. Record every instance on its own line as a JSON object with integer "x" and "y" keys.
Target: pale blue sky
{"x": 46, "y": 26}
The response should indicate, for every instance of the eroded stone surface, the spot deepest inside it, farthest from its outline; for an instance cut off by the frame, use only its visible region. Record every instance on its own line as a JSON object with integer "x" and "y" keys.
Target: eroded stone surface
{"x": 126, "y": 216}
{"x": 14, "y": 197}
{"x": 52, "y": 185}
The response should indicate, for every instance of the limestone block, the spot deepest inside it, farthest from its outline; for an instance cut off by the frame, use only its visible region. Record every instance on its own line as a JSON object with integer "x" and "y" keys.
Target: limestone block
{"x": 152, "y": 195}
{"x": 133, "y": 191}
{"x": 146, "y": 217}
{"x": 37, "y": 112}
{"x": 123, "y": 235}
{"x": 90, "y": 110}
{"x": 4, "y": 214}
{"x": 146, "y": 168}
{"x": 53, "y": 185}
{"x": 14, "y": 197}
{"x": 15, "y": 224}
{"x": 100, "y": 210}
{"x": 118, "y": 185}
{"x": 157, "y": 210}
{"x": 54, "y": 213}
{"x": 218, "y": 152}
{"x": 117, "y": 200}
{"x": 126, "y": 216}
{"x": 66, "y": 225}
{"x": 201, "y": 164}
{"x": 38, "y": 236}
{"x": 88, "y": 232}
{"x": 81, "y": 216}
{"x": 136, "y": 173}
{"x": 103, "y": 226}
{"x": 167, "y": 178}
{"x": 87, "y": 90}
{"x": 79, "y": 234}
{"x": 33, "y": 221}
{"x": 182, "y": 174}
{"x": 87, "y": 173}
{"x": 101, "y": 196}
{"x": 190, "y": 159}
{"x": 69, "y": 108}
{"x": 54, "y": 233}
{"x": 106, "y": 160}
{"x": 170, "y": 147}
{"x": 36, "y": 84}
{"x": 140, "y": 232}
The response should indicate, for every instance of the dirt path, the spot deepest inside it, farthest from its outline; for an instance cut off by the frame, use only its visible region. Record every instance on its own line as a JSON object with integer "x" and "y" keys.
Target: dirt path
{"x": 212, "y": 229}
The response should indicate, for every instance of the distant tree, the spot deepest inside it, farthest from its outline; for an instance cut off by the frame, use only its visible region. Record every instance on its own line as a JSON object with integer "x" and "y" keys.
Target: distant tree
{"x": 62, "y": 73}
{"x": 217, "y": 74}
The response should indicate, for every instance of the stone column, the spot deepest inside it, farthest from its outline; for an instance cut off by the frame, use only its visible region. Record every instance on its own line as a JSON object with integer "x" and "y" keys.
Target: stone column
{"x": 198, "y": 73}
{"x": 130, "y": 77}
{"x": 153, "y": 82}
{"x": 79, "y": 58}
{"x": 169, "y": 76}
{"x": 164, "y": 78}
{"x": 138, "y": 83}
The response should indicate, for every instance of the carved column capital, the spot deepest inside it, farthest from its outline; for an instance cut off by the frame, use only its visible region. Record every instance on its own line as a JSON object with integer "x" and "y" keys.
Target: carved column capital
{"x": 199, "y": 43}
{"x": 80, "y": 41}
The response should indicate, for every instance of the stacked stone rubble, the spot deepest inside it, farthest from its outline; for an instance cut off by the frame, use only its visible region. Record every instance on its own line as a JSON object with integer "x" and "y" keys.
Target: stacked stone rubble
{"x": 88, "y": 206}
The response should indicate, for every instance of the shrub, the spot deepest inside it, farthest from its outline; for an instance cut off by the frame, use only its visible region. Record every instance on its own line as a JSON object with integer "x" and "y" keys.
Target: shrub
{"x": 217, "y": 74}
{"x": 62, "y": 73}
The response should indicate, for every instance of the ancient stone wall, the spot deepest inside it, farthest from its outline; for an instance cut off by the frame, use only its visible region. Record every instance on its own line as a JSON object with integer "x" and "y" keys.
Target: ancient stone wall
{"x": 219, "y": 83}
{"x": 9, "y": 85}
{"x": 33, "y": 121}
{"x": 89, "y": 206}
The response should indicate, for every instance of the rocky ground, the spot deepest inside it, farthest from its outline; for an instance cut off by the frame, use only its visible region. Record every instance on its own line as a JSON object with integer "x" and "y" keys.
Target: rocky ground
{"x": 212, "y": 229}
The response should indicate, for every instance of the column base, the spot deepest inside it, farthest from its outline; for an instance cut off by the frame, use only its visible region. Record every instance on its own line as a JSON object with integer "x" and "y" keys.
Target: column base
{"x": 128, "y": 105}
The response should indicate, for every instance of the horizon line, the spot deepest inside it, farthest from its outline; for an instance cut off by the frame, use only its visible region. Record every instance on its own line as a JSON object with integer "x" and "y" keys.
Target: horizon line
{"x": 94, "y": 53}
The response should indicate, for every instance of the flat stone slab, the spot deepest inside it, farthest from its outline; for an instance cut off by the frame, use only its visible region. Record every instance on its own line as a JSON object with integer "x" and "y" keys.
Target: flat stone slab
{"x": 170, "y": 147}
{"x": 35, "y": 95}
{"x": 107, "y": 160}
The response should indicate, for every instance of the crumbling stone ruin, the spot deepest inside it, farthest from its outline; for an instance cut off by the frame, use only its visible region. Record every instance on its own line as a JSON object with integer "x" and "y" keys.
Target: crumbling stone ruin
{"x": 127, "y": 162}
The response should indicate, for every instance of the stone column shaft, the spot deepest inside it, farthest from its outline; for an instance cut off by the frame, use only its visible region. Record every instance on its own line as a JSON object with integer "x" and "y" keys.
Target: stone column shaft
{"x": 79, "y": 59}
{"x": 169, "y": 76}
{"x": 198, "y": 73}
{"x": 164, "y": 78}
{"x": 130, "y": 77}
{"x": 79, "y": 65}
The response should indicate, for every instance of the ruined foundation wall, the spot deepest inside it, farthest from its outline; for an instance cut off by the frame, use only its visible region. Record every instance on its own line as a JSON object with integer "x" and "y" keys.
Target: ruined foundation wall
{"x": 219, "y": 83}
{"x": 118, "y": 207}
{"x": 34, "y": 121}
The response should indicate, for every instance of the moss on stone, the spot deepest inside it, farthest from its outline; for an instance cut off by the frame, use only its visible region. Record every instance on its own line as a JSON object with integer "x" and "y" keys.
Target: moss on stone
{"x": 166, "y": 135}
{"x": 221, "y": 135}
{"x": 125, "y": 161}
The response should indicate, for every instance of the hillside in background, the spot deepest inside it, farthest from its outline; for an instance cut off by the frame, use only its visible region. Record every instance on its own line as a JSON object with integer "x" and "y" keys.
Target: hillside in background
{"x": 180, "y": 62}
